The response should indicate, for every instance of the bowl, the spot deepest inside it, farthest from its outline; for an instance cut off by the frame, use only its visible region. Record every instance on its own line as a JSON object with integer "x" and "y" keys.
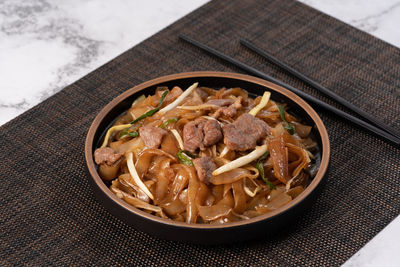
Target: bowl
{"x": 206, "y": 233}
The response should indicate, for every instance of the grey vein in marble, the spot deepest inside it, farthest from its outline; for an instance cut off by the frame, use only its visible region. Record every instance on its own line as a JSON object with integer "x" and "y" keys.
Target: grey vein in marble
{"x": 46, "y": 45}
{"x": 25, "y": 21}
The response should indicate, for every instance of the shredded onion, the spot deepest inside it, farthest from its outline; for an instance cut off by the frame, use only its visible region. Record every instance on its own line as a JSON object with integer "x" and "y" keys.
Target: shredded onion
{"x": 141, "y": 204}
{"x": 209, "y": 213}
{"x": 199, "y": 107}
{"x": 232, "y": 176}
{"x": 212, "y": 118}
{"x": 310, "y": 154}
{"x": 113, "y": 129}
{"x": 137, "y": 100}
{"x": 262, "y": 104}
{"x": 179, "y": 99}
{"x": 135, "y": 176}
{"x": 248, "y": 191}
{"x": 239, "y": 162}
{"x": 224, "y": 152}
{"x": 178, "y": 138}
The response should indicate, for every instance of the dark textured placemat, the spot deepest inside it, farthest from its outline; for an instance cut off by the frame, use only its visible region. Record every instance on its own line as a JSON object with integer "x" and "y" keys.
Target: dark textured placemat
{"x": 49, "y": 214}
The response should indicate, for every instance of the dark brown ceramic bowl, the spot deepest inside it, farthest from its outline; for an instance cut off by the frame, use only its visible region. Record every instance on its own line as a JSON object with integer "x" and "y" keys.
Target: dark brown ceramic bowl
{"x": 205, "y": 233}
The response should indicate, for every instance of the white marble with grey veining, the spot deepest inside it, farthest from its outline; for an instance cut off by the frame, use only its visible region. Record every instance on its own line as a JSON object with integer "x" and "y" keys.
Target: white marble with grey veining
{"x": 53, "y": 43}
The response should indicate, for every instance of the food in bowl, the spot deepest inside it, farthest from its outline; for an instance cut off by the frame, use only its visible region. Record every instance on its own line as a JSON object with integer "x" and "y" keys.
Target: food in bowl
{"x": 207, "y": 156}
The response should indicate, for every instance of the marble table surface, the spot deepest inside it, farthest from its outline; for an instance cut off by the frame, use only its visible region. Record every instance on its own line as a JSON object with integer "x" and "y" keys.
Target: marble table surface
{"x": 57, "y": 42}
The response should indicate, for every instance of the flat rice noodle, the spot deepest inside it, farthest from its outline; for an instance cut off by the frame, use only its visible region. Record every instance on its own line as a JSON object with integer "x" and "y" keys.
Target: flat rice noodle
{"x": 279, "y": 158}
{"x": 218, "y": 192}
{"x": 279, "y": 201}
{"x": 210, "y": 200}
{"x": 180, "y": 181}
{"x": 239, "y": 196}
{"x": 268, "y": 163}
{"x": 163, "y": 178}
{"x": 299, "y": 180}
{"x": 169, "y": 144}
{"x": 178, "y": 218}
{"x": 193, "y": 188}
{"x": 195, "y": 99}
{"x": 253, "y": 170}
{"x": 308, "y": 143}
{"x": 180, "y": 124}
{"x": 227, "y": 200}
{"x": 219, "y": 93}
{"x": 141, "y": 204}
{"x": 200, "y": 94}
{"x": 251, "y": 187}
{"x": 303, "y": 159}
{"x": 276, "y": 192}
{"x": 193, "y": 114}
{"x": 145, "y": 157}
{"x": 174, "y": 207}
{"x": 290, "y": 118}
{"x": 207, "y": 152}
{"x": 128, "y": 185}
{"x": 269, "y": 117}
{"x": 175, "y": 92}
{"x": 134, "y": 145}
{"x": 202, "y": 194}
{"x": 114, "y": 145}
{"x": 251, "y": 213}
{"x": 209, "y": 91}
{"x": 154, "y": 166}
{"x": 181, "y": 113}
{"x": 236, "y": 92}
{"x": 183, "y": 196}
{"x": 278, "y": 130}
{"x": 214, "y": 151}
{"x": 107, "y": 172}
{"x": 291, "y": 139}
{"x": 115, "y": 188}
{"x": 258, "y": 200}
{"x": 210, "y": 213}
{"x": 124, "y": 119}
{"x": 139, "y": 110}
{"x": 221, "y": 161}
{"x": 272, "y": 107}
{"x": 233, "y": 216}
{"x": 302, "y": 130}
{"x": 227, "y": 188}
{"x": 232, "y": 176}
{"x": 295, "y": 192}
{"x": 133, "y": 200}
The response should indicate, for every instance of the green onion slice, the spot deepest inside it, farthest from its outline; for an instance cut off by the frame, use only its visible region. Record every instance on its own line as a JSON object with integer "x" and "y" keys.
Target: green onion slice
{"x": 260, "y": 169}
{"x": 185, "y": 157}
{"x": 289, "y": 127}
{"x": 151, "y": 112}
{"x": 130, "y": 134}
{"x": 167, "y": 122}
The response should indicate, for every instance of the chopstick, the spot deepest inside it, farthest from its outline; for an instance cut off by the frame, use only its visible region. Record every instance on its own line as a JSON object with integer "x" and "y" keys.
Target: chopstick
{"x": 309, "y": 98}
{"x": 321, "y": 88}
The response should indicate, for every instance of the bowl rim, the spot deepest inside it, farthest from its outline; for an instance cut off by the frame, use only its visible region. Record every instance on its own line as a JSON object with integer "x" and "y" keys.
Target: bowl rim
{"x": 214, "y": 74}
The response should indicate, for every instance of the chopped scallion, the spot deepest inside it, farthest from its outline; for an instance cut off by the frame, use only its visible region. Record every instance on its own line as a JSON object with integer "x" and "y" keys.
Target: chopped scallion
{"x": 151, "y": 112}
{"x": 260, "y": 169}
{"x": 289, "y": 127}
{"x": 184, "y": 157}
{"x": 130, "y": 134}
{"x": 167, "y": 122}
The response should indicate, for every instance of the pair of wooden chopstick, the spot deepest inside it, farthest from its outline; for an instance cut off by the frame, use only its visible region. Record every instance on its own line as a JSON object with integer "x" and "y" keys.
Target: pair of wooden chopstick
{"x": 393, "y": 138}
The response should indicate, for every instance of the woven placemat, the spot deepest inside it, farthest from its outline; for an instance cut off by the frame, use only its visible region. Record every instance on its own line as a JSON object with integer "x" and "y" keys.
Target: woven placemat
{"x": 49, "y": 213}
